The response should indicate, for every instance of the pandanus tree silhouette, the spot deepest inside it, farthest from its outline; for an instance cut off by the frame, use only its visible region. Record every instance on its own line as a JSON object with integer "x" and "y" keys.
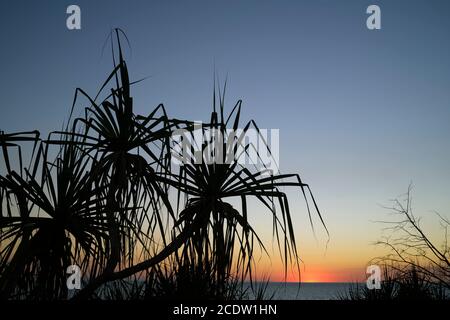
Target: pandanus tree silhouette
{"x": 220, "y": 176}
{"x": 59, "y": 221}
{"x": 104, "y": 201}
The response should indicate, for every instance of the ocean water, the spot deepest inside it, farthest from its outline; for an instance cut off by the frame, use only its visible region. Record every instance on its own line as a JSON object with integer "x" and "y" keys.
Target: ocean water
{"x": 306, "y": 291}
{"x": 293, "y": 291}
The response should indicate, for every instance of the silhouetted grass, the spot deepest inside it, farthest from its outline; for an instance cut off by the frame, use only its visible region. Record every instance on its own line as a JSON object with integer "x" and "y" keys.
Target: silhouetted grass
{"x": 398, "y": 285}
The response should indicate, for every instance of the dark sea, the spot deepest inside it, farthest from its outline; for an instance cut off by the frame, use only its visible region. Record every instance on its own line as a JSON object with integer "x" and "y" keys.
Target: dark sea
{"x": 293, "y": 291}
{"x": 306, "y": 291}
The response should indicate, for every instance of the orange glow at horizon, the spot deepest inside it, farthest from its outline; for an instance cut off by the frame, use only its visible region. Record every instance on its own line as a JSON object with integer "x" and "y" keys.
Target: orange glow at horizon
{"x": 319, "y": 275}
{"x": 315, "y": 270}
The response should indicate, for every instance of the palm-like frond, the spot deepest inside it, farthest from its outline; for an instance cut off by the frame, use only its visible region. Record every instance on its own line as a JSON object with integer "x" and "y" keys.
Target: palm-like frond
{"x": 218, "y": 226}
{"x": 60, "y": 222}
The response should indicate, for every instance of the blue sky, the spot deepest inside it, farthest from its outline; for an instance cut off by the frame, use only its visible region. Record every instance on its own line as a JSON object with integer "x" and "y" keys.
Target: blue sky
{"x": 361, "y": 113}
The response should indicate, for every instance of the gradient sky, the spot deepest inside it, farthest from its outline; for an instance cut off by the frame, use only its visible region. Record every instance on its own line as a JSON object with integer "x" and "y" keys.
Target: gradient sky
{"x": 361, "y": 113}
